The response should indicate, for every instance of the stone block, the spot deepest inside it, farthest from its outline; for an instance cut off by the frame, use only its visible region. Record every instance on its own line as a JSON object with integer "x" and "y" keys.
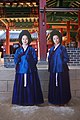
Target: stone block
{"x": 75, "y": 85}
{"x": 44, "y": 85}
{"x": 73, "y": 93}
{"x": 3, "y": 86}
{"x": 77, "y": 93}
{"x": 6, "y": 97}
{"x": 43, "y": 74}
{"x": 10, "y": 86}
{"x": 7, "y": 74}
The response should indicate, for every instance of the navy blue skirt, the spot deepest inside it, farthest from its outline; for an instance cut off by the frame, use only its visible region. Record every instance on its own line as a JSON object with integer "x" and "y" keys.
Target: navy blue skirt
{"x": 29, "y": 95}
{"x": 61, "y": 93}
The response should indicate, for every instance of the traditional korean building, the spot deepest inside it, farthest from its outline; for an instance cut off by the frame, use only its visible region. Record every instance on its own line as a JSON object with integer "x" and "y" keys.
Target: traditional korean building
{"x": 40, "y": 16}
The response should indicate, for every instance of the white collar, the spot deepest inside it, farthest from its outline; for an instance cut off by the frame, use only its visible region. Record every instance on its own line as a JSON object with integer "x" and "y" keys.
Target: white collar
{"x": 25, "y": 47}
{"x": 56, "y": 46}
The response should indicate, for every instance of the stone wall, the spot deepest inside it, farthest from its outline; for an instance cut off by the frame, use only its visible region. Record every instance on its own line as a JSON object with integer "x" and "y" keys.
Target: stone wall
{"x": 74, "y": 55}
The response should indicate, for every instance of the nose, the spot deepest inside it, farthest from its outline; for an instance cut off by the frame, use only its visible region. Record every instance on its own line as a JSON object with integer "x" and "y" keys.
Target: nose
{"x": 25, "y": 40}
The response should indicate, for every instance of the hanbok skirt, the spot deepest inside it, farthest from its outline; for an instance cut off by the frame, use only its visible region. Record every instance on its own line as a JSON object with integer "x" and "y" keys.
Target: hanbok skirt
{"x": 31, "y": 94}
{"x": 59, "y": 94}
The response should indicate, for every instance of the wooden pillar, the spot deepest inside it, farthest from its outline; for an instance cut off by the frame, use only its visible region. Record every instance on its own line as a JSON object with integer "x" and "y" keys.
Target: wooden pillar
{"x": 78, "y": 28}
{"x": 68, "y": 32}
{"x": 42, "y": 30}
{"x": 7, "y": 40}
{"x": 61, "y": 30}
{"x": 62, "y": 35}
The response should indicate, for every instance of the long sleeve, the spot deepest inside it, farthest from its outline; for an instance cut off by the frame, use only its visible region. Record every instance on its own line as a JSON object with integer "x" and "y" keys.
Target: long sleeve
{"x": 16, "y": 57}
{"x": 18, "y": 54}
{"x": 65, "y": 56}
{"x": 31, "y": 56}
{"x": 34, "y": 56}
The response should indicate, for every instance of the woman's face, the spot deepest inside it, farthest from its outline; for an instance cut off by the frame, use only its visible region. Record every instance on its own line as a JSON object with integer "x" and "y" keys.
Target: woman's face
{"x": 56, "y": 39}
{"x": 24, "y": 40}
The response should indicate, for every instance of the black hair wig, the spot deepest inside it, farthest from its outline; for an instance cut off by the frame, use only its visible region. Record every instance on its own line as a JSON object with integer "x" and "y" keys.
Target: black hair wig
{"x": 56, "y": 32}
{"x": 25, "y": 32}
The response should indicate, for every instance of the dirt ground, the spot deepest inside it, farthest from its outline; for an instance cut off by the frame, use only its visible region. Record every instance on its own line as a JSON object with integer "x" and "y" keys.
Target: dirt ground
{"x": 44, "y": 112}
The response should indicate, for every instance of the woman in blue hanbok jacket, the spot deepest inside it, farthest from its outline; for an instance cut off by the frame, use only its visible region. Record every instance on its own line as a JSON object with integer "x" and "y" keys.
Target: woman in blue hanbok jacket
{"x": 27, "y": 89}
{"x": 59, "y": 84}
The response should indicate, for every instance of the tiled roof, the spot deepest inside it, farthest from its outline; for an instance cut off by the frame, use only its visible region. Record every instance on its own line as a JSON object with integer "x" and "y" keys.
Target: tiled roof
{"x": 13, "y": 35}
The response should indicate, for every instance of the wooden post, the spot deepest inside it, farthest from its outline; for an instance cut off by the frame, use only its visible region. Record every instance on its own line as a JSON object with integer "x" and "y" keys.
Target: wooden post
{"x": 42, "y": 31}
{"x": 68, "y": 32}
{"x": 7, "y": 40}
{"x": 61, "y": 31}
{"x": 78, "y": 28}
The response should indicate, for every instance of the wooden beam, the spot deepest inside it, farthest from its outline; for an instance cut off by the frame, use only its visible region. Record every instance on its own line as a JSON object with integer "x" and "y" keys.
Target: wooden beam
{"x": 59, "y": 27}
{"x": 61, "y": 9}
